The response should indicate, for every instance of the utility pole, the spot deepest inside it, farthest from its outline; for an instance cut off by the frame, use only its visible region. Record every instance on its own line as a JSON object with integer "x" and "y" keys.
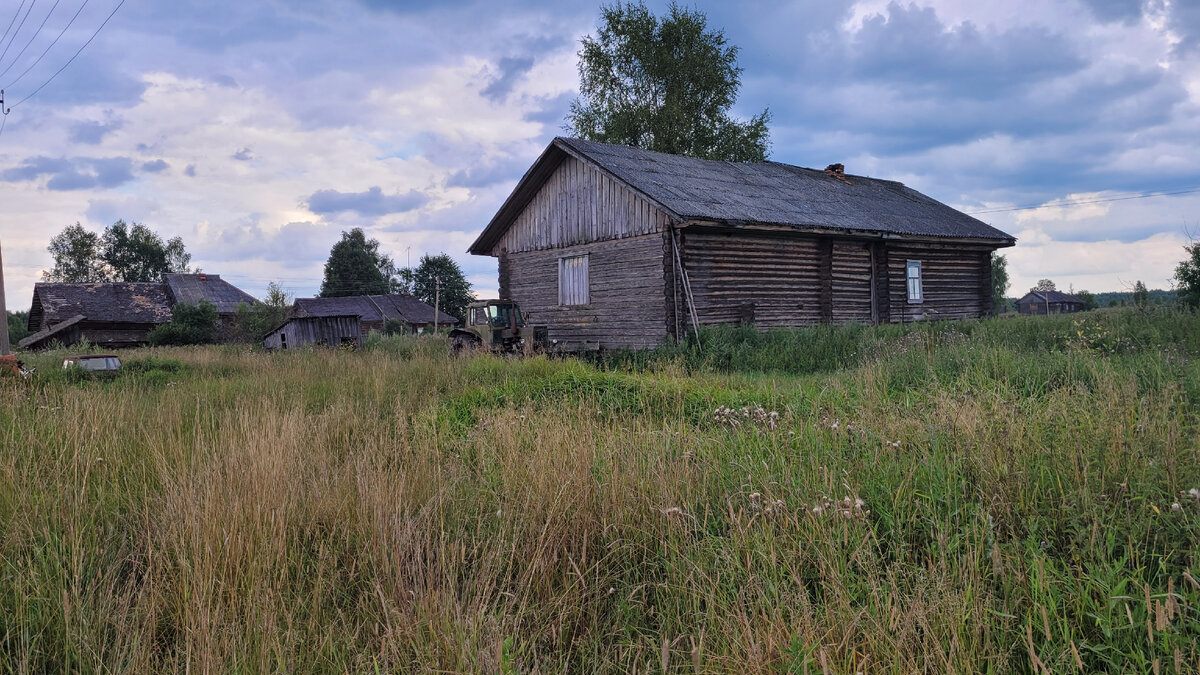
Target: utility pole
{"x": 3, "y": 311}
{"x": 437, "y": 292}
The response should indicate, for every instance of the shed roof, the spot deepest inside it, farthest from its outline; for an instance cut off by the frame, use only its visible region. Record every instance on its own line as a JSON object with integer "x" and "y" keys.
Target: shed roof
{"x": 404, "y": 308}
{"x": 121, "y": 302}
{"x": 768, "y": 193}
{"x": 192, "y": 288}
{"x": 49, "y": 332}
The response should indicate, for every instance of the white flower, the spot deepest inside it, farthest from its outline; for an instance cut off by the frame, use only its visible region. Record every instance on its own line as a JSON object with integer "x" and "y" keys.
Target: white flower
{"x": 1176, "y": 507}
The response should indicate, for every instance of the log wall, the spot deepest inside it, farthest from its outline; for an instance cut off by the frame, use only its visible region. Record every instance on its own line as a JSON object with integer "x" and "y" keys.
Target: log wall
{"x": 806, "y": 280}
{"x": 626, "y": 290}
{"x": 955, "y": 279}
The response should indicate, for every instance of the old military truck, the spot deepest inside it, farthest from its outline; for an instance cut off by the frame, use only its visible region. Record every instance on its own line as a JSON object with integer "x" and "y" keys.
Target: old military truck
{"x": 498, "y": 326}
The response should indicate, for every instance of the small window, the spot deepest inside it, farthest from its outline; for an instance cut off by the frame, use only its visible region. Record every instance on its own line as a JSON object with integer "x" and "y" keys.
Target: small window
{"x": 283, "y": 340}
{"x": 573, "y": 280}
{"x": 915, "y": 292}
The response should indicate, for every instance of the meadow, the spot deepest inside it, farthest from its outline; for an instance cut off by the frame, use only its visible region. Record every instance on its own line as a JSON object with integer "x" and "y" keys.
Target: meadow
{"x": 1005, "y": 495}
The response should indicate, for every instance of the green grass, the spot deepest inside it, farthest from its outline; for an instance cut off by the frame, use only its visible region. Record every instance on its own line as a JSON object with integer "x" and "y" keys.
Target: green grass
{"x": 396, "y": 509}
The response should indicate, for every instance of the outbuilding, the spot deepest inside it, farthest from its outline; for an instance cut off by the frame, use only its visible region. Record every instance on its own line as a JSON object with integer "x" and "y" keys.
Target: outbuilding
{"x": 1049, "y": 302}
{"x": 630, "y": 248}
{"x": 318, "y": 331}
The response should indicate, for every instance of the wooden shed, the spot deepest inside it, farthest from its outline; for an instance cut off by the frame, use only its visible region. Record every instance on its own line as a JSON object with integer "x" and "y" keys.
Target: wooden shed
{"x": 1049, "y": 302}
{"x": 375, "y": 311}
{"x": 628, "y": 247}
{"x": 316, "y": 331}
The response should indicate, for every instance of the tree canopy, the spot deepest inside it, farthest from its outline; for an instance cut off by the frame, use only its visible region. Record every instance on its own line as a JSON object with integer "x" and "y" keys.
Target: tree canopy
{"x": 356, "y": 267}
{"x": 1044, "y": 285}
{"x": 999, "y": 283}
{"x": 122, "y": 252}
{"x": 455, "y": 291}
{"x": 1187, "y": 276}
{"x": 664, "y": 84}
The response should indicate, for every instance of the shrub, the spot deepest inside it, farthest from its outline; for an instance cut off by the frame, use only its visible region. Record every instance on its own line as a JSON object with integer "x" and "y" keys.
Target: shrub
{"x": 189, "y": 325}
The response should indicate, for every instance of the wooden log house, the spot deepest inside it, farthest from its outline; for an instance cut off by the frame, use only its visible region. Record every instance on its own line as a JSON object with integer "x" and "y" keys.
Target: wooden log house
{"x": 624, "y": 247}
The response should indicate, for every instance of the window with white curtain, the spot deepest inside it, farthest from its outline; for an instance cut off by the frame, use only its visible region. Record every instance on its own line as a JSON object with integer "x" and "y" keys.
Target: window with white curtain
{"x": 915, "y": 292}
{"x": 573, "y": 280}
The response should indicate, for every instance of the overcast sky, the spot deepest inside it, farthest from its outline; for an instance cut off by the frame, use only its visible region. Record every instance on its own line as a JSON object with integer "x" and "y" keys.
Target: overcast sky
{"x": 258, "y": 130}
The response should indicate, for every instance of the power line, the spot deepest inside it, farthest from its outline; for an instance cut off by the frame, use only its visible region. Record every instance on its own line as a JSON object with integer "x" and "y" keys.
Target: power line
{"x": 19, "y": 27}
{"x": 50, "y": 46}
{"x": 1082, "y": 202}
{"x": 73, "y": 56}
{"x": 35, "y": 34}
{"x": 12, "y": 21}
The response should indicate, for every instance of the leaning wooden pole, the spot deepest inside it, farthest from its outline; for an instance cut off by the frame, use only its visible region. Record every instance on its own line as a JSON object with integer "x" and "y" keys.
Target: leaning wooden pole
{"x": 4, "y": 351}
{"x": 687, "y": 288}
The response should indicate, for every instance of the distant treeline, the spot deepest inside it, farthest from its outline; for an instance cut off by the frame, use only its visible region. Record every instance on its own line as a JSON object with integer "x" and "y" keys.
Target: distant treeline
{"x": 1157, "y": 296}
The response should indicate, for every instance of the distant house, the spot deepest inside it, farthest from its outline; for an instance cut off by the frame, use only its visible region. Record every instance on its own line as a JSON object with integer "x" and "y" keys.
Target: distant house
{"x": 330, "y": 331}
{"x": 374, "y": 311}
{"x": 631, "y": 248}
{"x": 1049, "y": 302}
{"x": 120, "y": 314}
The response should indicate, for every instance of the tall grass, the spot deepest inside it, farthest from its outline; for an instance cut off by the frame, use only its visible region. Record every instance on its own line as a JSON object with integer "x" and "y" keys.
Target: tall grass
{"x": 394, "y": 509}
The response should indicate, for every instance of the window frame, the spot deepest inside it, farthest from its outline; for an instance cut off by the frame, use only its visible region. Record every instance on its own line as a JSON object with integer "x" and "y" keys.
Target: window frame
{"x": 566, "y": 299}
{"x": 910, "y": 278}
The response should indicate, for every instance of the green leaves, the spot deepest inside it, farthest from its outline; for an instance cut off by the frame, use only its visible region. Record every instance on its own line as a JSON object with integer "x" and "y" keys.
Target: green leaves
{"x": 1187, "y": 276}
{"x": 664, "y": 84}
{"x": 122, "y": 253}
{"x": 356, "y": 267}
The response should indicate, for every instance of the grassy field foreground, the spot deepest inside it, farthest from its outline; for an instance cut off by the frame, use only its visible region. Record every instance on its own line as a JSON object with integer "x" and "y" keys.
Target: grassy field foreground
{"x": 999, "y": 496}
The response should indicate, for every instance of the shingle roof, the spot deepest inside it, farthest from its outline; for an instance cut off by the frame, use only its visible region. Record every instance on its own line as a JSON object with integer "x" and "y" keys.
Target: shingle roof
{"x": 769, "y": 193}
{"x": 370, "y": 308}
{"x": 1052, "y": 296}
{"x": 122, "y": 302}
{"x": 192, "y": 288}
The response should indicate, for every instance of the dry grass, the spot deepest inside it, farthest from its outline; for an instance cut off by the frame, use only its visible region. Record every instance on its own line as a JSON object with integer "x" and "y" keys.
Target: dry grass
{"x": 396, "y": 510}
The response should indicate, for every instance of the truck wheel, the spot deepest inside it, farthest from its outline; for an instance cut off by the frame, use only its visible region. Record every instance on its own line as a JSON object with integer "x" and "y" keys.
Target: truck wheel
{"x": 462, "y": 343}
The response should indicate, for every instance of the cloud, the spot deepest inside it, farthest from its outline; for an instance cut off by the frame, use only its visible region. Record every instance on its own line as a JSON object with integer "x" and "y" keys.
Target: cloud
{"x": 370, "y": 203}
{"x": 156, "y": 166}
{"x": 79, "y": 173}
{"x": 511, "y": 69}
{"x": 190, "y": 171}
{"x": 93, "y": 132}
{"x": 243, "y": 155}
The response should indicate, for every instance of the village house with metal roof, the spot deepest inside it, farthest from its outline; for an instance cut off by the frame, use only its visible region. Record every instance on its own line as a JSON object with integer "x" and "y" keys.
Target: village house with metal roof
{"x": 624, "y": 247}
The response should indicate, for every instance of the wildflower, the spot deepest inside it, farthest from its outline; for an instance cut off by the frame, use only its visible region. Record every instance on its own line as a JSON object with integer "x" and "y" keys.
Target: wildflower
{"x": 673, "y": 511}
{"x": 1176, "y": 507}
{"x": 817, "y": 510}
{"x": 1194, "y": 493}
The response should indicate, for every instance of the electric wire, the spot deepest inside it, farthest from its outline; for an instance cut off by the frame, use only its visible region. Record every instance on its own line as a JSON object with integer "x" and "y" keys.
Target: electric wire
{"x": 35, "y": 34}
{"x": 12, "y": 21}
{"x": 18, "y": 31}
{"x": 73, "y": 56}
{"x": 49, "y": 47}
{"x": 1082, "y": 202}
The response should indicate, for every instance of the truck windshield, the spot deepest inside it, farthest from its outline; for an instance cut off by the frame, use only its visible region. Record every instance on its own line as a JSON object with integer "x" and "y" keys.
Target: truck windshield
{"x": 501, "y": 316}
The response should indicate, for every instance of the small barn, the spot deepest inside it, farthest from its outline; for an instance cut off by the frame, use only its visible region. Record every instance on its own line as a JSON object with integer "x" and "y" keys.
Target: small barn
{"x": 630, "y": 248}
{"x": 121, "y": 314}
{"x": 1050, "y": 302}
{"x": 319, "y": 331}
{"x": 375, "y": 310}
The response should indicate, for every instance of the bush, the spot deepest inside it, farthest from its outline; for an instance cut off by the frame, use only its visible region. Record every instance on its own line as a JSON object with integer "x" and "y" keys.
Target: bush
{"x": 189, "y": 325}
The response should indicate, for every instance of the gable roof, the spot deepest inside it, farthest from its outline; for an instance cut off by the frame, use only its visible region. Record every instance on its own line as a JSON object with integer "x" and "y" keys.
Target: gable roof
{"x": 768, "y": 193}
{"x": 120, "y": 302}
{"x": 1051, "y": 296}
{"x": 370, "y": 308}
{"x": 192, "y": 288}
